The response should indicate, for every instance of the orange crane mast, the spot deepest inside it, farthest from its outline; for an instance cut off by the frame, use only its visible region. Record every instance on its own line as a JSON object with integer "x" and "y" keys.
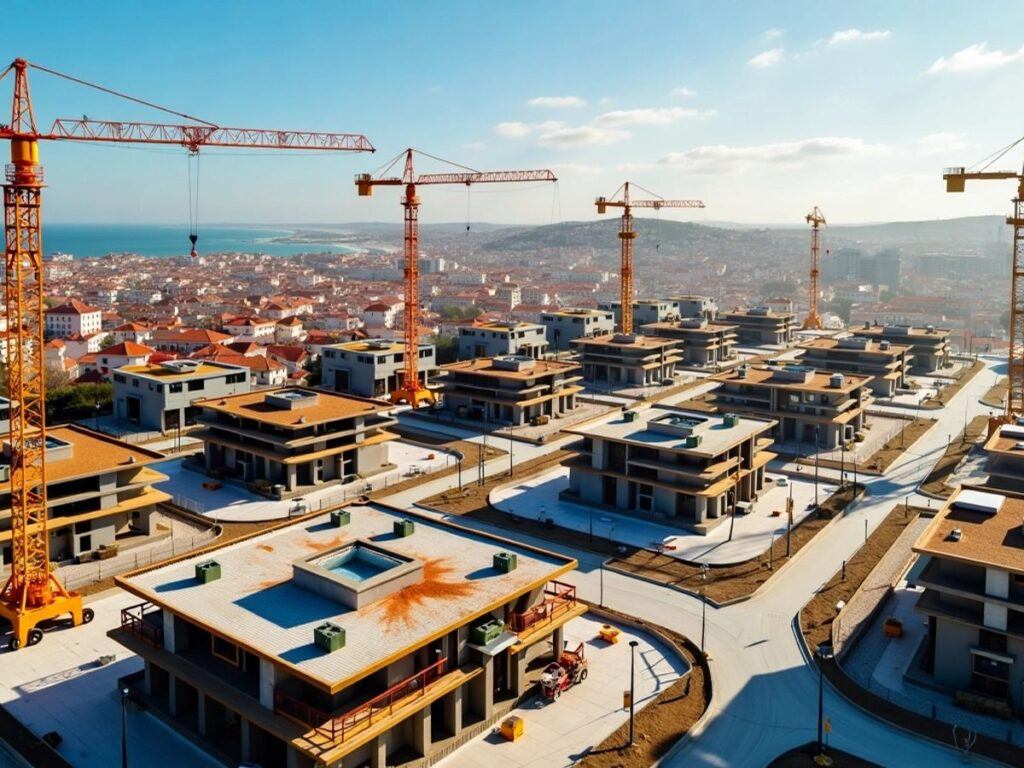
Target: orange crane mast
{"x": 412, "y": 389}
{"x": 627, "y": 235}
{"x": 956, "y": 179}
{"x": 815, "y": 218}
{"x": 32, "y": 593}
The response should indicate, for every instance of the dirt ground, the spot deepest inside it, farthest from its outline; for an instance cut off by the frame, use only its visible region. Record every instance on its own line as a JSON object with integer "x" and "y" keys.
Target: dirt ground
{"x": 725, "y": 583}
{"x": 935, "y": 483}
{"x": 470, "y": 456}
{"x": 803, "y": 757}
{"x": 880, "y": 460}
{"x": 948, "y": 392}
{"x": 997, "y": 393}
{"x": 659, "y": 725}
{"x": 817, "y": 616}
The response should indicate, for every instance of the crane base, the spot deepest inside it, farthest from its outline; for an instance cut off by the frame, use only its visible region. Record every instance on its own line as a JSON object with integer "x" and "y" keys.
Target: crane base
{"x": 812, "y": 323}
{"x": 24, "y": 622}
{"x": 414, "y": 396}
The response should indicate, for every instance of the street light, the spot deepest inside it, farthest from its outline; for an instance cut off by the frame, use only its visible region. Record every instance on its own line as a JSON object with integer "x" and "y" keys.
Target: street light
{"x": 824, "y": 653}
{"x": 703, "y": 604}
{"x": 632, "y": 686}
{"x": 817, "y": 454}
{"x": 124, "y": 728}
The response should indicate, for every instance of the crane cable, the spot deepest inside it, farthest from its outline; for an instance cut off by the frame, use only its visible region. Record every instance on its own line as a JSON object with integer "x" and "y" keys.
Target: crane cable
{"x": 193, "y": 201}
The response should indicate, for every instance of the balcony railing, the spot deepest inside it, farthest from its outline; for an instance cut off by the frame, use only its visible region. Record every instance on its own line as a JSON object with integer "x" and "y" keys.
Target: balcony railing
{"x": 337, "y": 729}
{"x": 558, "y": 598}
{"x": 133, "y": 621}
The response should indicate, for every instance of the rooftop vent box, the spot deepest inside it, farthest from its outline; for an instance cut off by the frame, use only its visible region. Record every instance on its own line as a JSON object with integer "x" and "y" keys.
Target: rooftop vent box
{"x": 741, "y": 372}
{"x": 854, "y": 342}
{"x": 403, "y": 528}
{"x": 340, "y": 517}
{"x": 836, "y": 380}
{"x": 505, "y": 562}
{"x": 624, "y": 338}
{"x": 693, "y": 441}
{"x": 884, "y": 345}
{"x": 513, "y": 363}
{"x": 730, "y": 420}
{"x": 378, "y": 344}
{"x": 955, "y": 535}
{"x": 979, "y": 501}
{"x": 207, "y": 571}
{"x": 631, "y": 416}
{"x": 293, "y": 399}
{"x": 693, "y": 322}
{"x": 759, "y": 311}
{"x": 484, "y": 633}
{"x": 180, "y": 366}
{"x": 329, "y": 637}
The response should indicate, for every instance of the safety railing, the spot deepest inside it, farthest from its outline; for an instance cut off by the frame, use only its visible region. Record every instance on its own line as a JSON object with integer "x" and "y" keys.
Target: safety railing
{"x": 133, "y": 621}
{"x": 559, "y": 597}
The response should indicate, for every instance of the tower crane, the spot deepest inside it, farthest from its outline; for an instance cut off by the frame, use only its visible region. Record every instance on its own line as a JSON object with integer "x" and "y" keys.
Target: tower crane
{"x": 815, "y": 218}
{"x": 627, "y": 235}
{"x": 33, "y": 593}
{"x": 956, "y": 179}
{"x": 411, "y": 390}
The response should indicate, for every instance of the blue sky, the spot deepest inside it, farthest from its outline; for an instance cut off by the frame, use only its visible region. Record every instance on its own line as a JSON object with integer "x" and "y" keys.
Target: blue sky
{"x": 762, "y": 110}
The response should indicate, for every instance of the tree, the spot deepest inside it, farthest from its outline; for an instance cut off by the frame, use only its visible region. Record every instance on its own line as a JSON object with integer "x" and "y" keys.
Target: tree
{"x": 78, "y": 402}
{"x": 107, "y": 341}
{"x": 446, "y": 349}
{"x": 315, "y": 369}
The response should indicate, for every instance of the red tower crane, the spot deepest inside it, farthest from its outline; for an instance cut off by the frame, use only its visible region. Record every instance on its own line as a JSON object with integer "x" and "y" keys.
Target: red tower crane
{"x": 815, "y": 218}
{"x": 32, "y": 592}
{"x": 627, "y": 235}
{"x": 412, "y": 389}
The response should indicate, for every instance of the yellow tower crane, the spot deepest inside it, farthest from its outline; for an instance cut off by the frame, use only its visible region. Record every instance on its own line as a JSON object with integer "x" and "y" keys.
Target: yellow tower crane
{"x": 815, "y": 218}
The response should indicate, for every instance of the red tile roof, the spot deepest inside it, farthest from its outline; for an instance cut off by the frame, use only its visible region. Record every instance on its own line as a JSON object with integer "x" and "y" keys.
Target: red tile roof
{"x": 72, "y": 307}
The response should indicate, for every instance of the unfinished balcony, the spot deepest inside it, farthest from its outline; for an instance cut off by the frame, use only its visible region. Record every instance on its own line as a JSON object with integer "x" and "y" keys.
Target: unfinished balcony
{"x": 558, "y": 607}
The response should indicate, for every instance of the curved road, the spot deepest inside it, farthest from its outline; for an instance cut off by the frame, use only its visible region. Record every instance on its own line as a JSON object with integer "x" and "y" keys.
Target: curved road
{"x": 765, "y": 688}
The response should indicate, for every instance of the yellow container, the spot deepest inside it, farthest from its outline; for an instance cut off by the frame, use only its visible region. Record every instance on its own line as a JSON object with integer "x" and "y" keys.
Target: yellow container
{"x": 608, "y": 633}
{"x": 512, "y": 727}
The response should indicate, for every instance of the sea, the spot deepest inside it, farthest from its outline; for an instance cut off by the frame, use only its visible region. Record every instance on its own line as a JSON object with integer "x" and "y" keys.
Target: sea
{"x": 92, "y": 240}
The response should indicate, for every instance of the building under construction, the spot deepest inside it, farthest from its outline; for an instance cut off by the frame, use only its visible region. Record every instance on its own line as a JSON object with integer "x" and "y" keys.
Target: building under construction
{"x": 368, "y": 636}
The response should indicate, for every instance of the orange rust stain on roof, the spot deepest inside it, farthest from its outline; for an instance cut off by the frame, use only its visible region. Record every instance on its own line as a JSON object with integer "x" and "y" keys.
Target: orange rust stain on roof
{"x": 265, "y": 547}
{"x": 436, "y": 585}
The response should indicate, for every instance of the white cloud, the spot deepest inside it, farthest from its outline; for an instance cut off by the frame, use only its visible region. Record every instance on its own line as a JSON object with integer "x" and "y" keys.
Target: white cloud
{"x": 580, "y": 136}
{"x": 857, "y": 35}
{"x": 557, "y": 101}
{"x": 513, "y": 130}
{"x": 767, "y": 58}
{"x": 651, "y": 116}
{"x": 720, "y": 157}
{"x": 771, "y": 34}
{"x": 975, "y": 58}
{"x": 942, "y": 143}
{"x": 683, "y": 92}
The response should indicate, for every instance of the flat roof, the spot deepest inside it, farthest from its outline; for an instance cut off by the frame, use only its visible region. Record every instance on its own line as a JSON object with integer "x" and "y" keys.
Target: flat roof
{"x": 1005, "y": 439}
{"x": 912, "y": 331}
{"x": 502, "y": 325}
{"x": 330, "y": 406}
{"x": 578, "y": 312}
{"x": 819, "y": 381}
{"x": 157, "y": 371}
{"x": 639, "y": 342}
{"x": 716, "y": 436}
{"x": 988, "y": 538}
{"x": 93, "y": 453}
{"x": 750, "y": 312}
{"x": 485, "y": 367}
{"x": 366, "y": 346}
{"x": 256, "y": 604}
{"x": 676, "y": 325}
{"x": 873, "y": 346}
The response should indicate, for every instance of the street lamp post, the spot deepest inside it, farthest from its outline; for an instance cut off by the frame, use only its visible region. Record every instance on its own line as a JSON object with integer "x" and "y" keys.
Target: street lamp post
{"x": 823, "y": 653}
{"x": 842, "y": 463}
{"x": 817, "y": 454}
{"x": 703, "y": 605}
{"x": 632, "y": 687}
{"x": 124, "y": 728}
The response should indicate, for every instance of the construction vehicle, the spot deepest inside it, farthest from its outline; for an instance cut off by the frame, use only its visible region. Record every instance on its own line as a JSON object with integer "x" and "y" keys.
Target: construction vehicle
{"x": 956, "y": 180}
{"x": 32, "y": 593}
{"x": 815, "y": 218}
{"x": 627, "y": 235}
{"x": 412, "y": 389}
{"x": 561, "y": 675}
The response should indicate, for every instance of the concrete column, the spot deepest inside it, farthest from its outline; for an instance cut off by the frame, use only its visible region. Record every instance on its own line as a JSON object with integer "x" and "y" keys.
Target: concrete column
{"x": 201, "y": 713}
{"x": 147, "y": 683}
{"x": 557, "y": 640}
{"x": 518, "y": 664}
{"x": 268, "y": 679}
{"x": 378, "y": 753}
{"x": 172, "y": 694}
{"x": 169, "y": 639}
{"x": 292, "y": 473}
{"x": 421, "y": 740}
{"x": 481, "y": 690}
{"x": 246, "y": 739}
{"x": 452, "y": 705}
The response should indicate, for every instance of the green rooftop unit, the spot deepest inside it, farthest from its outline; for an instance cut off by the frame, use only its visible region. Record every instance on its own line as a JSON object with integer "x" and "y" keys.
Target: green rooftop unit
{"x": 404, "y": 528}
{"x": 631, "y": 416}
{"x": 693, "y": 441}
{"x": 207, "y": 571}
{"x": 505, "y": 562}
{"x": 329, "y": 637}
{"x": 484, "y": 633}
{"x": 730, "y": 420}
{"x": 340, "y": 517}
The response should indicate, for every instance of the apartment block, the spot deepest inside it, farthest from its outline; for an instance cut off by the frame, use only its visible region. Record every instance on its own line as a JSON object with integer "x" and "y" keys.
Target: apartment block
{"x": 99, "y": 492}
{"x": 371, "y": 636}
{"x": 973, "y": 577}
{"x": 929, "y": 346}
{"x": 73, "y": 317}
{"x": 513, "y": 390}
{"x": 161, "y": 396}
{"x": 668, "y": 462}
{"x": 498, "y": 339}
{"x": 294, "y": 440}
{"x": 627, "y": 360}
{"x": 644, "y": 310}
{"x": 761, "y": 325}
{"x": 803, "y": 403}
{"x": 694, "y": 306}
{"x": 564, "y": 325}
{"x": 703, "y": 344}
{"x": 886, "y": 363}
{"x": 371, "y": 368}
